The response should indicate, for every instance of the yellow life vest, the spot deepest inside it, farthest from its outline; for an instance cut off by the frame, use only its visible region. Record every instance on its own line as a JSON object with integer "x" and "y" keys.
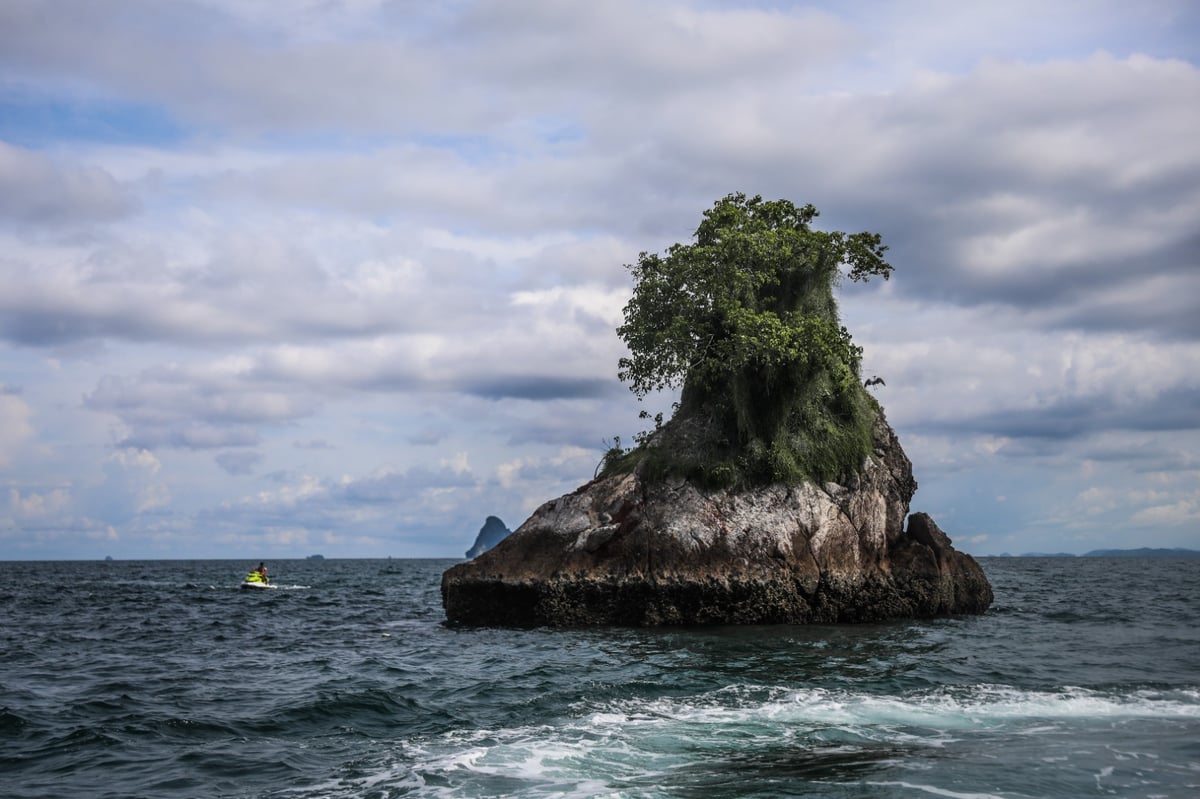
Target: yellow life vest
{"x": 254, "y": 577}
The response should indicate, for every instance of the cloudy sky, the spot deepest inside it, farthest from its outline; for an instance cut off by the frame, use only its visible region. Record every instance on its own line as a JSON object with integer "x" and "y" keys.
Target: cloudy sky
{"x": 342, "y": 276}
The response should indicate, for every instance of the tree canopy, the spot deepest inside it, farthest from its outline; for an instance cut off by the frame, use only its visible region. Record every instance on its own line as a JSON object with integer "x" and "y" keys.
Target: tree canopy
{"x": 745, "y": 322}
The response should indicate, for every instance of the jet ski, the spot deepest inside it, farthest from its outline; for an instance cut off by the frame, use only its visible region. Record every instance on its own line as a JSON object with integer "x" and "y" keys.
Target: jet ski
{"x": 256, "y": 581}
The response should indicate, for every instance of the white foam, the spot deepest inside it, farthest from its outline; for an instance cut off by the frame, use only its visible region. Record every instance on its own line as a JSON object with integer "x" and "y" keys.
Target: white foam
{"x": 605, "y": 748}
{"x": 944, "y": 710}
{"x": 935, "y": 791}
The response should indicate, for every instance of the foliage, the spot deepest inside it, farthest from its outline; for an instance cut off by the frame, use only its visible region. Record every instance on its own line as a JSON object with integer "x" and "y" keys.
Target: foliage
{"x": 745, "y": 321}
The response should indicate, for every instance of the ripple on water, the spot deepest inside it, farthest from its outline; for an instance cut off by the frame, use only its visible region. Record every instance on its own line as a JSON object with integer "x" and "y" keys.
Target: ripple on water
{"x": 1079, "y": 679}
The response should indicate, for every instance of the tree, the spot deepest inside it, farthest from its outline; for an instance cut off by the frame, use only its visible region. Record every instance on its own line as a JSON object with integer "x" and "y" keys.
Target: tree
{"x": 745, "y": 322}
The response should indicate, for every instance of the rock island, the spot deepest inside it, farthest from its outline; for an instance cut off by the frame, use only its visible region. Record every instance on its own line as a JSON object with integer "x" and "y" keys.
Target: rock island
{"x": 776, "y": 493}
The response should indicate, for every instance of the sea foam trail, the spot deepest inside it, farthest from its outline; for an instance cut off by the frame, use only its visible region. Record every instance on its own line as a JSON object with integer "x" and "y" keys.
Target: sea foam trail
{"x": 934, "y": 791}
{"x": 633, "y": 747}
{"x": 946, "y": 708}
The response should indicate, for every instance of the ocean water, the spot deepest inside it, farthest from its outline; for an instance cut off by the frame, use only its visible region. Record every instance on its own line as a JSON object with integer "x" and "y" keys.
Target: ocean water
{"x": 162, "y": 679}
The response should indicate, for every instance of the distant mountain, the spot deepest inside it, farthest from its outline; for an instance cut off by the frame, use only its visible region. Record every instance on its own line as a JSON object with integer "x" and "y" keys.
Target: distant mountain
{"x": 492, "y": 533}
{"x": 1144, "y": 552}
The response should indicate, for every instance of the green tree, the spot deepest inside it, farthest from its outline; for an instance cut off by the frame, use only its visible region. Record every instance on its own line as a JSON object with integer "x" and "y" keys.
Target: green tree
{"x": 745, "y": 322}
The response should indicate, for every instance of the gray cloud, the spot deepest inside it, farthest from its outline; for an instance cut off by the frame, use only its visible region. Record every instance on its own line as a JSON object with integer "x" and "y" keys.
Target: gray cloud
{"x": 386, "y": 508}
{"x": 40, "y": 191}
{"x": 496, "y": 61}
{"x": 315, "y": 443}
{"x": 539, "y": 387}
{"x": 238, "y": 462}
{"x": 395, "y": 487}
{"x": 175, "y": 407}
{"x": 1075, "y": 417}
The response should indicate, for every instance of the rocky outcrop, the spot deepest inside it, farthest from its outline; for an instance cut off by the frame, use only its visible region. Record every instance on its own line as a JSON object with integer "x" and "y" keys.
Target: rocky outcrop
{"x": 622, "y": 550}
{"x": 492, "y": 533}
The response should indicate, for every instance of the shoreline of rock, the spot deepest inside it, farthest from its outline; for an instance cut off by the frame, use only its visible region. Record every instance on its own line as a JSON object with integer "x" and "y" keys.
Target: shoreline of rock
{"x": 622, "y": 551}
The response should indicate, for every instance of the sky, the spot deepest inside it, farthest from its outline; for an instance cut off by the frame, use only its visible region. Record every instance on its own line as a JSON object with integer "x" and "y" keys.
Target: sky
{"x": 281, "y": 278}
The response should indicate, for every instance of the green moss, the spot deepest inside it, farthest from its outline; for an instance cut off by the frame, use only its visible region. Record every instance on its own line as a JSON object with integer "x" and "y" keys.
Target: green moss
{"x": 745, "y": 321}
{"x": 817, "y": 441}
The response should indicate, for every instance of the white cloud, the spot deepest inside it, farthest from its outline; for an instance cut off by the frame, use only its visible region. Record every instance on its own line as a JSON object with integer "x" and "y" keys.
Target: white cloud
{"x": 15, "y": 425}
{"x": 1183, "y": 512}
{"x": 132, "y": 484}
{"x": 458, "y": 464}
{"x": 34, "y": 504}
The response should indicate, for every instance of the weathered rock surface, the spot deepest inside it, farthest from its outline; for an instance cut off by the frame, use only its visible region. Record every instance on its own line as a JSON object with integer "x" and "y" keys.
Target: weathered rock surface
{"x": 624, "y": 551}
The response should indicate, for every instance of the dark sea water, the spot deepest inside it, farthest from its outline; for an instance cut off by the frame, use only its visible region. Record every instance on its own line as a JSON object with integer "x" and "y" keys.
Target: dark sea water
{"x": 162, "y": 679}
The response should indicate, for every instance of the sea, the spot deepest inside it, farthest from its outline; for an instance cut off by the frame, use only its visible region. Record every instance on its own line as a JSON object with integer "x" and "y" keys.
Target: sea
{"x": 163, "y": 679}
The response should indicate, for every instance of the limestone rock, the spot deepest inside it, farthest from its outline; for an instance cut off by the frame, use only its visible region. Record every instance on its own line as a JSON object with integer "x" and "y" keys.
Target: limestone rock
{"x": 492, "y": 533}
{"x": 621, "y": 550}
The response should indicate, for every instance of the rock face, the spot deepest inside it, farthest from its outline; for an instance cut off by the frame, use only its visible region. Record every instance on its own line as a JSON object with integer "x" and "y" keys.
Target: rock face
{"x": 624, "y": 551}
{"x": 492, "y": 533}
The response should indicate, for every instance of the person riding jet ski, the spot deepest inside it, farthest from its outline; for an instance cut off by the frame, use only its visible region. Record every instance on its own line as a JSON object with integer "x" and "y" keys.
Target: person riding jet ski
{"x": 258, "y": 575}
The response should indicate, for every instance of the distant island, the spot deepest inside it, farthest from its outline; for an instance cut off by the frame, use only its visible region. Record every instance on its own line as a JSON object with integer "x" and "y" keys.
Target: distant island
{"x": 315, "y": 557}
{"x": 493, "y": 532}
{"x": 1142, "y": 552}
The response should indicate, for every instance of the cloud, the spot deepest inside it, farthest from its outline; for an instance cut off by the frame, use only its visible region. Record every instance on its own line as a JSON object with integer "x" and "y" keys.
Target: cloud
{"x": 544, "y": 387}
{"x": 34, "y": 504}
{"x": 1176, "y": 514}
{"x": 238, "y": 71}
{"x": 40, "y": 191}
{"x": 315, "y": 443}
{"x": 197, "y": 408}
{"x": 128, "y": 486}
{"x": 421, "y": 253}
{"x": 411, "y": 506}
{"x": 1076, "y": 417}
{"x": 15, "y": 424}
{"x": 239, "y": 462}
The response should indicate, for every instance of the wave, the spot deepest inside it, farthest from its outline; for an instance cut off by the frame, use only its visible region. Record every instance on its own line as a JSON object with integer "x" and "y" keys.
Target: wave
{"x": 722, "y": 742}
{"x": 936, "y": 791}
{"x": 941, "y": 708}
